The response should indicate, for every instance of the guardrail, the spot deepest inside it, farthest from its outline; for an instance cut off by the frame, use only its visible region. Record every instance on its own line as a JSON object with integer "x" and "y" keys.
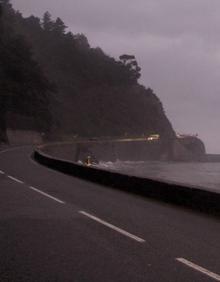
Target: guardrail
{"x": 193, "y": 197}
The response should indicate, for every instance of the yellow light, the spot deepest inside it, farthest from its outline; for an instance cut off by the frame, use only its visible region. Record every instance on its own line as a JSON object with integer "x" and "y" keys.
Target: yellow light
{"x": 153, "y": 137}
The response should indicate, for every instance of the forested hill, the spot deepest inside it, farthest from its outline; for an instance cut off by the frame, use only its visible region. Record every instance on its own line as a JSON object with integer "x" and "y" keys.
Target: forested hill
{"x": 24, "y": 89}
{"x": 67, "y": 87}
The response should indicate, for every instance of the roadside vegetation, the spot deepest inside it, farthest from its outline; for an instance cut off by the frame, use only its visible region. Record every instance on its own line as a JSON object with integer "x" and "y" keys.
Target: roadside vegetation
{"x": 61, "y": 85}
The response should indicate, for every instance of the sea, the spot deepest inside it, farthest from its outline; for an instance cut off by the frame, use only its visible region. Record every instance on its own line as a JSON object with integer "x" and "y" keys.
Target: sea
{"x": 193, "y": 174}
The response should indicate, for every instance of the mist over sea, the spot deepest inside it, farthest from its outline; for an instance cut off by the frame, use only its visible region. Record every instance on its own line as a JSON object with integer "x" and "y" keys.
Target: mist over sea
{"x": 205, "y": 175}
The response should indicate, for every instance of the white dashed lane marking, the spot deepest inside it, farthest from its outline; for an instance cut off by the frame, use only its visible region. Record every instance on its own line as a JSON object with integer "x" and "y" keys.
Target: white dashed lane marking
{"x": 115, "y": 228}
{"x": 36, "y": 190}
{"x": 46, "y": 195}
{"x": 199, "y": 268}
{"x": 15, "y": 179}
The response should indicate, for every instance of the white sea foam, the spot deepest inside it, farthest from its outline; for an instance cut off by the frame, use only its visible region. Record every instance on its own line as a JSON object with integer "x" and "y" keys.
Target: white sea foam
{"x": 205, "y": 175}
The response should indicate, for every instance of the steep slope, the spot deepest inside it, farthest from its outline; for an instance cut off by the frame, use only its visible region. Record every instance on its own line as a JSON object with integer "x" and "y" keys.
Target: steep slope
{"x": 23, "y": 87}
{"x": 96, "y": 95}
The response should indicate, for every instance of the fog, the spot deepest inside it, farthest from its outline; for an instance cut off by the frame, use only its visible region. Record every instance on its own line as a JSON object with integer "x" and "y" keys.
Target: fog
{"x": 176, "y": 44}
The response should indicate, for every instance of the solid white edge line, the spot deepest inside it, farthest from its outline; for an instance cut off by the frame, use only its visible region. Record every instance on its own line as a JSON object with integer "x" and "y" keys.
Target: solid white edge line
{"x": 15, "y": 179}
{"x": 140, "y": 240}
{"x": 199, "y": 268}
{"x": 2, "y": 172}
{"x": 13, "y": 149}
{"x": 46, "y": 195}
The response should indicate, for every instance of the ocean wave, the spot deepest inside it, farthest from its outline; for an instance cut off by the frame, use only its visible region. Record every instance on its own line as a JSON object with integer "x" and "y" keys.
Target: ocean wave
{"x": 205, "y": 175}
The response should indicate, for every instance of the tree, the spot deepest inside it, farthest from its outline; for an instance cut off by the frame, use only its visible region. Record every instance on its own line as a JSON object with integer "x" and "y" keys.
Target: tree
{"x": 3, "y": 101}
{"x": 47, "y": 23}
{"x": 129, "y": 61}
{"x": 34, "y": 23}
{"x": 81, "y": 41}
{"x": 23, "y": 87}
{"x": 126, "y": 58}
{"x": 4, "y": 3}
{"x": 59, "y": 26}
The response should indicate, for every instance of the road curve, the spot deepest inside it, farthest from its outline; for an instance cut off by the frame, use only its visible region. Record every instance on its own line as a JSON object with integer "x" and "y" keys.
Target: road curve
{"x": 55, "y": 227}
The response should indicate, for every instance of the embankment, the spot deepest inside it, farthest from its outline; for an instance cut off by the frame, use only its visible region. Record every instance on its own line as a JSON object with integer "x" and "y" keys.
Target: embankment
{"x": 213, "y": 158}
{"x": 136, "y": 149}
{"x": 110, "y": 150}
{"x": 193, "y": 197}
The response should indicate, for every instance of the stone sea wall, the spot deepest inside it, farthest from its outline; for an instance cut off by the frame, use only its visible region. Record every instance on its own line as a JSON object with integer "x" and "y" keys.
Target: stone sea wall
{"x": 121, "y": 150}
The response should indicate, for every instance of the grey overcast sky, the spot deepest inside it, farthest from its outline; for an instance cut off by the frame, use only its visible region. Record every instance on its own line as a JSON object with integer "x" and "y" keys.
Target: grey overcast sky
{"x": 177, "y": 44}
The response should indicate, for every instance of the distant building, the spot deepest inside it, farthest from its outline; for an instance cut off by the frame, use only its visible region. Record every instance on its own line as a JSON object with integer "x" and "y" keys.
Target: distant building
{"x": 181, "y": 136}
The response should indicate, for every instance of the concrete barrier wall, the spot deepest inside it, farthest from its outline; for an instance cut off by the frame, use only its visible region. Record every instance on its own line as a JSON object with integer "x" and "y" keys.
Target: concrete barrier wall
{"x": 108, "y": 150}
{"x": 130, "y": 150}
{"x": 195, "y": 198}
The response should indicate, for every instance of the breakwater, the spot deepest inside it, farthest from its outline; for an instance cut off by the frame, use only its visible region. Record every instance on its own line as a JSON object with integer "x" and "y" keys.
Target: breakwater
{"x": 188, "y": 196}
{"x": 110, "y": 150}
{"x": 136, "y": 149}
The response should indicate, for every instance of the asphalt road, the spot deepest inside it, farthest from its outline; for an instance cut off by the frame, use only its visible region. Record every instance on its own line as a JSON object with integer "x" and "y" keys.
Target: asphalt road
{"x": 54, "y": 227}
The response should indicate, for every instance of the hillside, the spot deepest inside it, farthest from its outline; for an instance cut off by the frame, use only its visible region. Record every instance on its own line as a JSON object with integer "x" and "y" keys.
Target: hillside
{"x": 90, "y": 93}
{"x": 24, "y": 89}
